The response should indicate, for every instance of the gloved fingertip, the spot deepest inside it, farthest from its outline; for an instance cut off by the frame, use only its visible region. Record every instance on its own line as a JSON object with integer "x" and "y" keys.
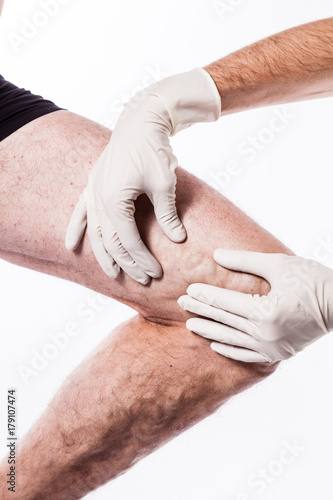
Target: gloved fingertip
{"x": 213, "y": 346}
{"x": 155, "y": 275}
{"x": 172, "y": 227}
{"x": 181, "y": 301}
{"x": 70, "y": 243}
{"x": 192, "y": 290}
{"x": 111, "y": 274}
{"x": 219, "y": 254}
{"x": 113, "y": 270}
{"x": 189, "y": 324}
{"x": 178, "y": 234}
{"x": 141, "y": 278}
{"x": 157, "y": 272}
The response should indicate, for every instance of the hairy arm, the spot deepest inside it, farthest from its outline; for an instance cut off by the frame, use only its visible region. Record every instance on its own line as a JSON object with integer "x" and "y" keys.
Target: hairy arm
{"x": 293, "y": 65}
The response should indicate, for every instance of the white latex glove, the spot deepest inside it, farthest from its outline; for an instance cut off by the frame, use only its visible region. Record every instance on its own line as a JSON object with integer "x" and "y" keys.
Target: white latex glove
{"x": 296, "y": 312}
{"x": 139, "y": 159}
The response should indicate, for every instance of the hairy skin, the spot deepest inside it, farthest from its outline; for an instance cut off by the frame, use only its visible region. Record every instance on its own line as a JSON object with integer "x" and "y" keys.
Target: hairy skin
{"x": 141, "y": 387}
{"x": 41, "y": 184}
{"x": 150, "y": 378}
{"x": 293, "y": 65}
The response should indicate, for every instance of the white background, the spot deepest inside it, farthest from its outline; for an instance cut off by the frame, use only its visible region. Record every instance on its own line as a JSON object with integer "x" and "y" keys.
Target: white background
{"x": 91, "y": 56}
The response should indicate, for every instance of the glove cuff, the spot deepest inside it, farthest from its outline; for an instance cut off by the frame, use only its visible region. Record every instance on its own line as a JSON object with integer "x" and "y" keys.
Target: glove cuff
{"x": 189, "y": 98}
{"x": 329, "y": 304}
{"x": 323, "y": 279}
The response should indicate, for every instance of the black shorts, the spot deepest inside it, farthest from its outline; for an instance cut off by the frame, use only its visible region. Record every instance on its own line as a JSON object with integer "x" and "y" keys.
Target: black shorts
{"x": 19, "y": 107}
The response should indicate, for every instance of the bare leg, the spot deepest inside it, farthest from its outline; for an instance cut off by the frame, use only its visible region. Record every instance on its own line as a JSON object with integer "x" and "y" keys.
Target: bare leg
{"x": 141, "y": 387}
{"x": 151, "y": 378}
{"x": 44, "y": 168}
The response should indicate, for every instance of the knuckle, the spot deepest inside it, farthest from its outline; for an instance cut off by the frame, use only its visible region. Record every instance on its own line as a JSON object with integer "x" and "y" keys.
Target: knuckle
{"x": 113, "y": 246}
{"x": 122, "y": 208}
{"x": 168, "y": 218}
{"x": 132, "y": 247}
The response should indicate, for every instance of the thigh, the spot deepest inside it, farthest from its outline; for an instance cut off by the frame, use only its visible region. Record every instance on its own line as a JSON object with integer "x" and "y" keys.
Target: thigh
{"x": 44, "y": 168}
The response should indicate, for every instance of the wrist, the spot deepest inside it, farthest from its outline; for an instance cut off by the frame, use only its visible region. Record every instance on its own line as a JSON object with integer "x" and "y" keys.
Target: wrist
{"x": 189, "y": 98}
{"x": 239, "y": 87}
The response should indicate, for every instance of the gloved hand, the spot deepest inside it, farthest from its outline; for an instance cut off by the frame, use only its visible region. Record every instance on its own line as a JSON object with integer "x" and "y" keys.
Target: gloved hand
{"x": 296, "y": 312}
{"x": 139, "y": 159}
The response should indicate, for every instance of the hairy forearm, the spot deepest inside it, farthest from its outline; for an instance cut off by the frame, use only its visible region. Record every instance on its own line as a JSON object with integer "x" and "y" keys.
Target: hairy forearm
{"x": 141, "y": 387}
{"x": 293, "y": 65}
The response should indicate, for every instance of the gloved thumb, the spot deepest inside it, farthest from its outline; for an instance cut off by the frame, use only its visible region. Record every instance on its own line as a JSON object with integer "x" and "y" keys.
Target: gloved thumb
{"x": 260, "y": 264}
{"x": 167, "y": 217}
{"x": 77, "y": 224}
